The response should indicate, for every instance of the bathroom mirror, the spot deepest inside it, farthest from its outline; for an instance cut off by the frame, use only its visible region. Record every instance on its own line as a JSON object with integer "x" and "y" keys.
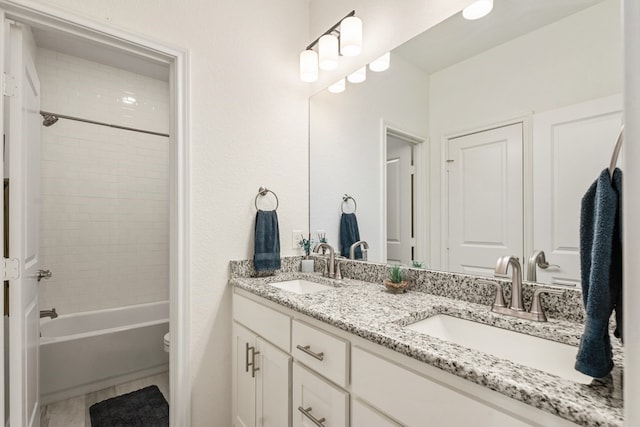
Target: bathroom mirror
{"x": 530, "y": 68}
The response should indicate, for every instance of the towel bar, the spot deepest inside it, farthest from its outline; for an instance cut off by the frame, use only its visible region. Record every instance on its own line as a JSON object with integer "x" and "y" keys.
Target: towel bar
{"x": 345, "y": 199}
{"x": 262, "y": 191}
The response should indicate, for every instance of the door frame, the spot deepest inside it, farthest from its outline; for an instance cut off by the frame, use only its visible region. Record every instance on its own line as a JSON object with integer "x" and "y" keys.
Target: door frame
{"x": 177, "y": 59}
{"x": 527, "y": 181}
{"x": 421, "y": 205}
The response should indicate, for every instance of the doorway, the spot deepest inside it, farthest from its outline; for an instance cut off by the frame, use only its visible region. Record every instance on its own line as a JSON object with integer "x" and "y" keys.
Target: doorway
{"x": 405, "y": 197}
{"x": 98, "y": 38}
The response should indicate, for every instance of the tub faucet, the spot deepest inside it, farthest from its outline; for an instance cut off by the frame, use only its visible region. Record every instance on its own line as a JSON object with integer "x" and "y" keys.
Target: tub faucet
{"x": 48, "y": 313}
{"x": 365, "y": 248}
{"x": 516, "y": 308}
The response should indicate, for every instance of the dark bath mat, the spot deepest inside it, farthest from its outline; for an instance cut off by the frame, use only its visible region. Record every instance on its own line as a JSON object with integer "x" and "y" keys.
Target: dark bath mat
{"x": 146, "y": 407}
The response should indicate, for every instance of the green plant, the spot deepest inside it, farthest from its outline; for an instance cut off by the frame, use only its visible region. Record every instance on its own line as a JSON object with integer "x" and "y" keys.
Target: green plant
{"x": 396, "y": 273}
{"x": 305, "y": 244}
{"x": 417, "y": 264}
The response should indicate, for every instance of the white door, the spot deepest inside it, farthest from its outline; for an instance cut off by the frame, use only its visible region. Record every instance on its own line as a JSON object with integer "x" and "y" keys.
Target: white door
{"x": 399, "y": 201}
{"x": 244, "y": 398}
{"x": 485, "y": 199}
{"x": 23, "y": 140}
{"x": 572, "y": 145}
{"x": 273, "y": 390}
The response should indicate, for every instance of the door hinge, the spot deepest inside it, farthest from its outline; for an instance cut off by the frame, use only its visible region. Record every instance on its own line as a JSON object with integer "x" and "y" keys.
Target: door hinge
{"x": 11, "y": 268}
{"x": 413, "y": 170}
{"x": 9, "y": 86}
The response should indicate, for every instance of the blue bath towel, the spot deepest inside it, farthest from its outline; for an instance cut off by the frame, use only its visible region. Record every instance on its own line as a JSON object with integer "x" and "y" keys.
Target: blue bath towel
{"x": 601, "y": 271}
{"x": 267, "y": 241}
{"x": 349, "y": 234}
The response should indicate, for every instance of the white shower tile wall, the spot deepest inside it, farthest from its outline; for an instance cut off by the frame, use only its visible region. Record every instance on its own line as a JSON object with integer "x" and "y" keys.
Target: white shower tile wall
{"x": 105, "y": 191}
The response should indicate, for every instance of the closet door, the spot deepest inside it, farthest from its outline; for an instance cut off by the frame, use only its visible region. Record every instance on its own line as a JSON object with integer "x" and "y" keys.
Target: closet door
{"x": 485, "y": 199}
{"x": 571, "y": 146}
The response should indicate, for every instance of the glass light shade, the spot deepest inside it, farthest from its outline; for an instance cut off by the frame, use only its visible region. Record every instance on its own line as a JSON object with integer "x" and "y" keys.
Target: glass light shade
{"x": 351, "y": 36}
{"x": 358, "y": 76}
{"x": 328, "y": 52}
{"x": 381, "y": 64}
{"x": 338, "y": 86}
{"x": 308, "y": 66}
{"x": 477, "y": 9}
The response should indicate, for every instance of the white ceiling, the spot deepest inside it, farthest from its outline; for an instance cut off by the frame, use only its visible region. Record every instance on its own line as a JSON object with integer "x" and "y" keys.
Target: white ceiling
{"x": 456, "y": 39}
{"x": 101, "y": 53}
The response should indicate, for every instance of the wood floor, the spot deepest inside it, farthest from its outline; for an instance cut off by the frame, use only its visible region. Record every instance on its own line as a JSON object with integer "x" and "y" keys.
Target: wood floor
{"x": 74, "y": 412}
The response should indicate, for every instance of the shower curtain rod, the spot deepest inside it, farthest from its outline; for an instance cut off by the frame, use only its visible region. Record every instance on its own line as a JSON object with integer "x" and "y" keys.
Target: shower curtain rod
{"x": 51, "y": 118}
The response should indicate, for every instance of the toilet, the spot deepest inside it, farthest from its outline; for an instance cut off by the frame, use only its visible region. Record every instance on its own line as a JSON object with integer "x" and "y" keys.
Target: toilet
{"x": 167, "y": 341}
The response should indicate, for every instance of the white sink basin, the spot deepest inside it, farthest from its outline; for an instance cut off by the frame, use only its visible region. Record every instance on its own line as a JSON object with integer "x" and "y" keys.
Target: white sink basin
{"x": 549, "y": 356}
{"x": 301, "y": 286}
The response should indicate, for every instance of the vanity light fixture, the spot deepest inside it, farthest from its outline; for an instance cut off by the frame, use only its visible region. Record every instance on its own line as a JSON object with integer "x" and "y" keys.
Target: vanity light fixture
{"x": 381, "y": 64}
{"x": 343, "y": 38}
{"x": 338, "y": 87}
{"x": 477, "y": 9}
{"x": 308, "y": 66}
{"x": 358, "y": 76}
{"x": 351, "y": 36}
{"x": 328, "y": 52}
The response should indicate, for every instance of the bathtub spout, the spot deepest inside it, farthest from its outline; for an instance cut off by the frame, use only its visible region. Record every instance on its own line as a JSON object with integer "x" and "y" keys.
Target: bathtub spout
{"x": 49, "y": 313}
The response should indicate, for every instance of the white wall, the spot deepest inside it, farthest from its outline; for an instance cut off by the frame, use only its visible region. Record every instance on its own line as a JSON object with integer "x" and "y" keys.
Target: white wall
{"x": 105, "y": 213}
{"x": 248, "y": 127}
{"x": 347, "y": 147}
{"x": 572, "y": 60}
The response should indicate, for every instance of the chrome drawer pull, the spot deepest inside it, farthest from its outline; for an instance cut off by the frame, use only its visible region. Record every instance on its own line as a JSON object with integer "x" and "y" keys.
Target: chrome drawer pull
{"x": 319, "y": 356}
{"x": 307, "y": 413}
{"x": 253, "y": 360}
{"x": 246, "y": 357}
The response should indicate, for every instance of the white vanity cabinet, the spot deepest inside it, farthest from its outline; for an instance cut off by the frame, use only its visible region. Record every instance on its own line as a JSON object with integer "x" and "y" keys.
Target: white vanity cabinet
{"x": 306, "y": 370}
{"x": 261, "y": 371}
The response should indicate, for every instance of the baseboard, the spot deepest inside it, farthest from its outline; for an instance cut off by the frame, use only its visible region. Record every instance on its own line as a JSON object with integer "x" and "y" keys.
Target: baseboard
{"x": 57, "y": 396}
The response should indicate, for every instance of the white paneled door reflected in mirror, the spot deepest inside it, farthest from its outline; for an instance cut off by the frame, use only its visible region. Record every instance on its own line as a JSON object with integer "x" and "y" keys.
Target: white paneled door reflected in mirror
{"x": 510, "y": 118}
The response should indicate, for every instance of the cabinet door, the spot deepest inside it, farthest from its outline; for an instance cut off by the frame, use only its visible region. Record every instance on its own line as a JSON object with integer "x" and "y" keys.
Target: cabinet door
{"x": 316, "y": 399}
{"x": 273, "y": 386}
{"x": 244, "y": 382}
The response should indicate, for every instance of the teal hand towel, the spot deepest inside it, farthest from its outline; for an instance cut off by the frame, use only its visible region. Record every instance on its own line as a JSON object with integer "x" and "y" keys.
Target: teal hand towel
{"x": 266, "y": 255}
{"x": 601, "y": 271}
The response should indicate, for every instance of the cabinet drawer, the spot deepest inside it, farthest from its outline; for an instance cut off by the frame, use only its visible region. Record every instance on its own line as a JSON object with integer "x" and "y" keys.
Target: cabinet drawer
{"x": 273, "y": 326}
{"x": 316, "y": 399}
{"x": 364, "y": 415}
{"x": 324, "y": 353}
{"x": 415, "y": 400}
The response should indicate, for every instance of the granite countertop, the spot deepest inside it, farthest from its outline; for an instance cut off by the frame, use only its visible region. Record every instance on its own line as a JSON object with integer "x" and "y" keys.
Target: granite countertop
{"x": 369, "y": 311}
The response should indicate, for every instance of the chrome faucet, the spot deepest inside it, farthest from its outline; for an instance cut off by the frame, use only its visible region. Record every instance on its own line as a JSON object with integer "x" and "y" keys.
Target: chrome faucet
{"x": 365, "y": 248}
{"x": 48, "y": 313}
{"x": 332, "y": 271}
{"x": 516, "y": 279}
{"x": 516, "y": 308}
{"x": 537, "y": 259}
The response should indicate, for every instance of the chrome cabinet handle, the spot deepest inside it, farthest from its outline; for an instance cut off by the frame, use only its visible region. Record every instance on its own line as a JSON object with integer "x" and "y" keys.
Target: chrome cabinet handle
{"x": 305, "y": 349}
{"x": 246, "y": 357}
{"x": 251, "y": 364}
{"x": 43, "y": 274}
{"x": 307, "y": 413}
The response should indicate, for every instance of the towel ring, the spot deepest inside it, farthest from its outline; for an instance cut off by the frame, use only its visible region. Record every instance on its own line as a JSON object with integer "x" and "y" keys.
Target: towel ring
{"x": 616, "y": 153}
{"x": 345, "y": 199}
{"x": 262, "y": 191}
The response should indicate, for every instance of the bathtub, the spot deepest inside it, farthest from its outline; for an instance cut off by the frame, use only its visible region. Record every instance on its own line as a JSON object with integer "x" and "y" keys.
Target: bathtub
{"x": 85, "y": 352}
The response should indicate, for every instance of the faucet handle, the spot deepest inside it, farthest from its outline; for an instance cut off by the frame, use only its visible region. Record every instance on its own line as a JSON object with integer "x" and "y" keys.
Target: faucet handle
{"x": 536, "y": 307}
{"x": 499, "y": 301}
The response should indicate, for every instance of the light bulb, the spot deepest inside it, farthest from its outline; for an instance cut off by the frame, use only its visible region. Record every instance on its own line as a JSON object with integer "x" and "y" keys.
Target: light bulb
{"x": 358, "y": 76}
{"x": 328, "y": 52}
{"x": 308, "y": 66}
{"x": 477, "y": 9}
{"x": 338, "y": 86}
{"x": 351, "y": 36}
{"x": 381, "y": 64}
